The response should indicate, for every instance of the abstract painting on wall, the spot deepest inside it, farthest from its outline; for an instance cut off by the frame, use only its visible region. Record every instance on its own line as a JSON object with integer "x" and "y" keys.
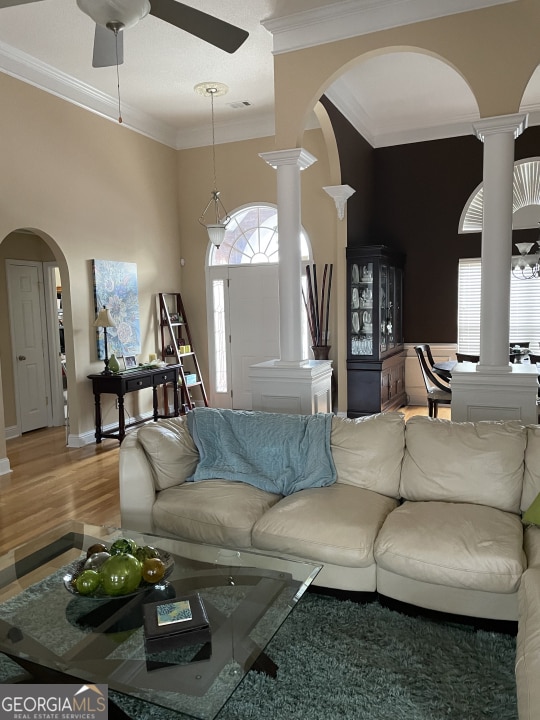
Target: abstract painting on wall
{"x": 115, "y": 287}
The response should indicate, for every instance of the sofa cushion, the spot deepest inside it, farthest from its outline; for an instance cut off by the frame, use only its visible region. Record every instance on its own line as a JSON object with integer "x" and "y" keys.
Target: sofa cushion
{"x": 466, "y": 462}
{"x": 455, "y": 544}
{"x": 216, "y": 512}
{"x": 368, "y": 451}
{"x": 528, "y": 646}
{"x": 531, "y": 476}
{"x": 336, "y": 524}
{"x": 170, "y": 450}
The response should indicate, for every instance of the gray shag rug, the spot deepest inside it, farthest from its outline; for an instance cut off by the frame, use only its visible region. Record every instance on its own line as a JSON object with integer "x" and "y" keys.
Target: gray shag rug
{"x": 341, "y": 659}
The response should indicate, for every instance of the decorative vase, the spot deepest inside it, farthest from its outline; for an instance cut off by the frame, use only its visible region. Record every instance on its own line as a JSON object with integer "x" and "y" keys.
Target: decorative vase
{"x": 320, "y": 352}
{"x": 114, "y": 365}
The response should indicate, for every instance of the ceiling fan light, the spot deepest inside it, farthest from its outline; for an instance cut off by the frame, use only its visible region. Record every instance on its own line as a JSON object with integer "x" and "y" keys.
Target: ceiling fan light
{"x": 128, "y": 12}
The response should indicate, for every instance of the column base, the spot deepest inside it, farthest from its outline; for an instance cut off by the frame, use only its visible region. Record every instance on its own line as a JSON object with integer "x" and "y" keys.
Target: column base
{"x": 479, "y": 393}
{"x": 298, "y": 388}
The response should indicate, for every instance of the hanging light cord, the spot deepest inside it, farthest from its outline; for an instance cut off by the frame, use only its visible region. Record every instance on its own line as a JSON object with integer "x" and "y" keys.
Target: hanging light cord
{"x": 212, "y": 91}
{"x": 118, "y": 77}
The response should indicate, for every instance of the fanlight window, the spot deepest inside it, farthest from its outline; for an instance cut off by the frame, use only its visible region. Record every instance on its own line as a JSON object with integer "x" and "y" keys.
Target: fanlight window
{"x": 251, "y": 237}
{"x": 526, "y": 194}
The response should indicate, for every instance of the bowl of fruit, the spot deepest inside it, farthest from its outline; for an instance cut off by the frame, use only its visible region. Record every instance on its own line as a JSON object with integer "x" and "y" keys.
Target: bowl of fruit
{"x": 118, "y": 571}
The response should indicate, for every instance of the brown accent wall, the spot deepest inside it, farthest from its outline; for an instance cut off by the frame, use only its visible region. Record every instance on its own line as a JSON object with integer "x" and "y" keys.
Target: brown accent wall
{"x": 418, "y": 194}
{"x": 356, "y": 158}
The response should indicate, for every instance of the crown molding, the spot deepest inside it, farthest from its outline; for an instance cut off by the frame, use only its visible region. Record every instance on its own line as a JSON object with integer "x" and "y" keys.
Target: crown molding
{"x": 261, "y": 125}
{"x": 351, "y": 18}
{"x": 24, "y": 67}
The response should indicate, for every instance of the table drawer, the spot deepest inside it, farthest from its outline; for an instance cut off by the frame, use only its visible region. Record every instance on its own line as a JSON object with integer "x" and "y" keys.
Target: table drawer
{"x": 138, "y": 383}
{"x": 163, "y": 377}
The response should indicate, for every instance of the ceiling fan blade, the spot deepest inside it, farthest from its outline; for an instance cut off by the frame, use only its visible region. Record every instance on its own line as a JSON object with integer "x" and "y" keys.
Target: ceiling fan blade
{"x": 206, "y": 27}
{"x": 12, "y": 3}
{"x": 105, "y": 47}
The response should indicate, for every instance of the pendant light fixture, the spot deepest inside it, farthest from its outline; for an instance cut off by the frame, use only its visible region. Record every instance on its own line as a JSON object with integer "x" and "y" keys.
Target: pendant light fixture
{"x": 526, "y": 265}
{"x": 215, "y": 226}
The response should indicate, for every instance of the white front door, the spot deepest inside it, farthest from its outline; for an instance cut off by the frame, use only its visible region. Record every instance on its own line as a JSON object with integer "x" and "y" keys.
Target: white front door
{"x": 254, "y": 325}
{"x": 25, "y": 283}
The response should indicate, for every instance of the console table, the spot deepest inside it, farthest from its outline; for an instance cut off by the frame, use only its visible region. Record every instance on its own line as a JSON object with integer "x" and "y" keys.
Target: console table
{"x": 120, "y": 384}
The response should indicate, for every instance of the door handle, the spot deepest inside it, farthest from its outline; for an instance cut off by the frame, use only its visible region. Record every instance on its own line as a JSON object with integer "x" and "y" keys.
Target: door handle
{"x": 22, "y": 357}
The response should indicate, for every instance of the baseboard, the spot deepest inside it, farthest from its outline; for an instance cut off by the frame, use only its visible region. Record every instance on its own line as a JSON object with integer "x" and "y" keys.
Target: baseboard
{"x": 12, "y": 432}
{"x": 89, "y": 437}
{"x": 5, "y": 467}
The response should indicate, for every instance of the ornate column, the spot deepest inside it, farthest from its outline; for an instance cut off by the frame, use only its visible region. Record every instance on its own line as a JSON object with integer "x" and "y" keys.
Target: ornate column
{"x": 498, "y": 135}
{"x": 291, "y": 383}
{"x": 494, "y": 389}
{"x": 289, "y": 164}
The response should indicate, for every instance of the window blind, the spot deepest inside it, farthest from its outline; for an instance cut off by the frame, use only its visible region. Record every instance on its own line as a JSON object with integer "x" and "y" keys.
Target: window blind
{"x": 524, "y": 308}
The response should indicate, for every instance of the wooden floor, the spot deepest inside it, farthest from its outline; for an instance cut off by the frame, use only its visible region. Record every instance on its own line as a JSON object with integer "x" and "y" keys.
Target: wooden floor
{"x": 50, "y": 483}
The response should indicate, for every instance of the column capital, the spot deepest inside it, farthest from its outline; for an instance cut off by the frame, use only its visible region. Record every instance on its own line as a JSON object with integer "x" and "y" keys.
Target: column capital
{"x": 514, "y": 124}
{"x": 297, "y": 156}
{"x": 340, "y": 195}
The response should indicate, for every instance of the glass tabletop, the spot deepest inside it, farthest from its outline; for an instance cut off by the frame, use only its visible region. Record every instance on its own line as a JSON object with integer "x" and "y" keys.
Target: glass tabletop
{"x": 247, "y": 596}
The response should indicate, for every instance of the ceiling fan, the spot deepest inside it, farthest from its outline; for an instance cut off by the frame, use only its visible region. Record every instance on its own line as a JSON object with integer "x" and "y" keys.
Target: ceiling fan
{"x": 113, "y": 16}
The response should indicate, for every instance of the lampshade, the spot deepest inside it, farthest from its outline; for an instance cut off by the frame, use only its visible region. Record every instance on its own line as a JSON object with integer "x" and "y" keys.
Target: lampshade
{"x": 128, "y": 12}
{"x": 216, "y": 233}
{"x": 104, "y": 319}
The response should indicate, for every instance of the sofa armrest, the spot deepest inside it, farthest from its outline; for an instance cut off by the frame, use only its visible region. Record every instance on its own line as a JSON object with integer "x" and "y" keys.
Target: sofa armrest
{"x": 531, "y": 544}
{"x": 137, "y": 489}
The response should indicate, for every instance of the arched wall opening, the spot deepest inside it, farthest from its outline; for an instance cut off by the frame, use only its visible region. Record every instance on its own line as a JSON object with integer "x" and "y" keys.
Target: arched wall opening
{"x": 34, "y": 250}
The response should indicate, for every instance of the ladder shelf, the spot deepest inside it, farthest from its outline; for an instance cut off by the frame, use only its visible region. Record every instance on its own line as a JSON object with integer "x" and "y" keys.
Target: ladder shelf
{"x": 176, "y": 342}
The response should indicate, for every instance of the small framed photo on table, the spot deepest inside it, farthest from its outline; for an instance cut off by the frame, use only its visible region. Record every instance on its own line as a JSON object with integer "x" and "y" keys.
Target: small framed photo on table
{"x": 130, "y": 361}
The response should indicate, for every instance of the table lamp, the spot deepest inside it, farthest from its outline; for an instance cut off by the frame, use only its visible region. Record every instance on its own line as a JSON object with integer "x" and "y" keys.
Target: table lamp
{"x": 105, "y": 320}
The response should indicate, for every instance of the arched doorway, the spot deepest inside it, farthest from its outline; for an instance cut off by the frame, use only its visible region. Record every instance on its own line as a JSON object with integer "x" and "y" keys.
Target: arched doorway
{"x": 34, "y": 376}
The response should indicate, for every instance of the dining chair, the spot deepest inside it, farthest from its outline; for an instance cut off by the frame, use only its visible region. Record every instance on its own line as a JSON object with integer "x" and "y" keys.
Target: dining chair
{"x": 535, "y": 359}
{"x": 438, "y": 392}
{"x": 462, "y": 357}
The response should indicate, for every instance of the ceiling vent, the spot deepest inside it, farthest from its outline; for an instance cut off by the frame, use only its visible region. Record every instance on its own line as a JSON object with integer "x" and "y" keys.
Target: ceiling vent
{"x": 239, "y": 105}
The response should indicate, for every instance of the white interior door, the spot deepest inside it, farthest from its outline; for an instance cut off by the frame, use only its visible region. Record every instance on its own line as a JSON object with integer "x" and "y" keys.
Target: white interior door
{"x": 25, "y": 283}
{"x": 254, "y": 325}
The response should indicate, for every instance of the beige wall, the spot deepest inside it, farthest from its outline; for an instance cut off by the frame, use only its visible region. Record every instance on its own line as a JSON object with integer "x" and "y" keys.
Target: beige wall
{"x": 91, "y": 189}
{"x": 243, "y": 177}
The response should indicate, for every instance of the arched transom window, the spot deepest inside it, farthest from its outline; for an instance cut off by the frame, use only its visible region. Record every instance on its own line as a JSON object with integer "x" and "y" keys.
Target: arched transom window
{"x": 251, "y": 237}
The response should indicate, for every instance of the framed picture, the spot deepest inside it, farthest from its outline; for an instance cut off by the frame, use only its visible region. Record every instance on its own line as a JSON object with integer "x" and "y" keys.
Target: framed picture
{"x": 115, "y": 287}
{"x": 130, "y": 361}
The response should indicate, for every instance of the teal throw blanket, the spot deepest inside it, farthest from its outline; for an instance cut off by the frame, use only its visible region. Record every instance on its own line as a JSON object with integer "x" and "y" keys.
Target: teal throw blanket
{"x": 275, "y": 452}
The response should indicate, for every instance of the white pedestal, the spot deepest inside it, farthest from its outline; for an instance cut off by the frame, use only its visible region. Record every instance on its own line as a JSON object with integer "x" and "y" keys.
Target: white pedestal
{"x": 301, "y": 389}
{"x": 480, "y": 394}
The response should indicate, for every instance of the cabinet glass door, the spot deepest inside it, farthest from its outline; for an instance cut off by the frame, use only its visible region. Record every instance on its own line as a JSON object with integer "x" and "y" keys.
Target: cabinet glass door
{"x": 391, "y": 309}
{"x": 383, "y": 307}
{"x": 361, "y": 312}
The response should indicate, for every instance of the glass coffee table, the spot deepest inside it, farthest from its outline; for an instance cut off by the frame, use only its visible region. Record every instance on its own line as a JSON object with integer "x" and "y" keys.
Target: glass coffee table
{"x": 52, "y": 631}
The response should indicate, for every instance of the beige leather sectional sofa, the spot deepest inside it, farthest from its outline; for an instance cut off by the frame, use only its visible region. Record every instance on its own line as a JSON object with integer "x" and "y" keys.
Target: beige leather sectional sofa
{"x": 428, "y": 513}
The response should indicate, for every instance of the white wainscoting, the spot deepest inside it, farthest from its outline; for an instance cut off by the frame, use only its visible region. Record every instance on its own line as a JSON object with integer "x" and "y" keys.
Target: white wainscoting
{"x": 414, "y": 383}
